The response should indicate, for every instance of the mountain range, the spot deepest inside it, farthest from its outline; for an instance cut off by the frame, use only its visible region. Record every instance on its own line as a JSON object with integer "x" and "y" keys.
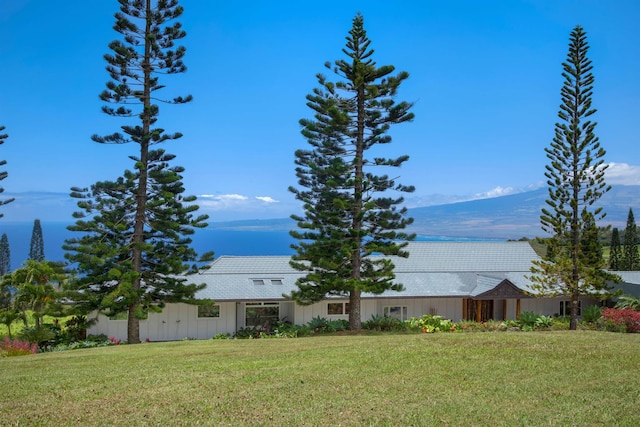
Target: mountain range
{"x": 506, "y": 217}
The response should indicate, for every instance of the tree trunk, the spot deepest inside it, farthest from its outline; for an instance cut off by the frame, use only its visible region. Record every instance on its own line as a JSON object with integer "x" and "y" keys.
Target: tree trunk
{"x": 355, "y": 316}
{"x": 573, "y": 324}
{"x": 133, "y": 325}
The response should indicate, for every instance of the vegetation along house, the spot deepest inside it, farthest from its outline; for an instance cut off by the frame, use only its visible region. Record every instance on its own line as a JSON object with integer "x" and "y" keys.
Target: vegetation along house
{"x": 470, "y": 280}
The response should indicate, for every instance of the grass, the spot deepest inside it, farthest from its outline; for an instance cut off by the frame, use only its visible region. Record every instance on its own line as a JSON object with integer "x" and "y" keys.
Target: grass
{"x": 493, "y": 379}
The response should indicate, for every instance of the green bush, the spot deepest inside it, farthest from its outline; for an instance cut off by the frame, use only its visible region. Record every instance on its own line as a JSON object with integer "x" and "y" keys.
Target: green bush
{"x": 384, "y": 323}
{"x": 318, "y": 324}
{"x": 221, "y": 336}
{"x": 528, "y": 319}
{"x": 247, "y": 332}
{"x": 544, "y": 322}
{"x": 592, "y": 314}
{"x": 429, "y": 323}
{"x": 44, "y": 335}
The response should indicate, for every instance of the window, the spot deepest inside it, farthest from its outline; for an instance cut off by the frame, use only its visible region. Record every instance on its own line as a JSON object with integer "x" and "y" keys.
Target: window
{"x": 261, "y": 315}
{"x": 397, "y": 312}
{"x": 212, "y": 310}
{"x": 261, "y": 282}
{"x": 337, "y": 308}
{"x": 565, "y": 308}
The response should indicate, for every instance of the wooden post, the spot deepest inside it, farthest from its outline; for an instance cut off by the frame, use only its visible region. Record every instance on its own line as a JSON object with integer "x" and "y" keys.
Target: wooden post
{"x": 478, "y": 311}
{"x": 504, "y": 309}
{"x": 518, "y": 309}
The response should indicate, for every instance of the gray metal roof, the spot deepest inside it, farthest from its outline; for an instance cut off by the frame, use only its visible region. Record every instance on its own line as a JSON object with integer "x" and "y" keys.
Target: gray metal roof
{"x": 631, "y": 282}
{"x": 433, "y": 269}
{"x": 466, "y": 257}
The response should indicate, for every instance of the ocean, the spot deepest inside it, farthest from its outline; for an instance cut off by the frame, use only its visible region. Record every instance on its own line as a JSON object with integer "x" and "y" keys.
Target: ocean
{"x": 220, "y": 241}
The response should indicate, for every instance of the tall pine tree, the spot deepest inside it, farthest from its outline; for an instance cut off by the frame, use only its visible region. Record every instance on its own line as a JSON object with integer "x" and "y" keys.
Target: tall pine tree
{"x": 350, "y": 212}
{"x": 151, "y": 227}
{"x": 3, "y": 174}
{"x": 5, "y": 255}
{"x": 630, "y": 258}
{"x": 103, "y": 253}
{"x": 36, "y": 249}
{"x": 615, "y": 255}
{"x": 575, "y": 176}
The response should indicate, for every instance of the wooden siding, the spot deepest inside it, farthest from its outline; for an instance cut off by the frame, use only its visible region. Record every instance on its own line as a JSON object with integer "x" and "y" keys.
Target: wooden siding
{"x": 179, "y": 321}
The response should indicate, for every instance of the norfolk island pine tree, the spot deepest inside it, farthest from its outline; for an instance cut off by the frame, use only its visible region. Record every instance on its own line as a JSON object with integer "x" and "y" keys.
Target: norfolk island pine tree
{"x": 349, "y": 211}
{"x": 575, "y": 178}
{"x": 153, "y": 249}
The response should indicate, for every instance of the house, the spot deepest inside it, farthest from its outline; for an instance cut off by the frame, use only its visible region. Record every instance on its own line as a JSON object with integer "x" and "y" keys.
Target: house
{"x": 469, "y": 280}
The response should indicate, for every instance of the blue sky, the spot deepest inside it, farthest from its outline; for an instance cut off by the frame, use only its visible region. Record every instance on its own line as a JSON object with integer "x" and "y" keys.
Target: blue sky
{"x": 485, "y": 79}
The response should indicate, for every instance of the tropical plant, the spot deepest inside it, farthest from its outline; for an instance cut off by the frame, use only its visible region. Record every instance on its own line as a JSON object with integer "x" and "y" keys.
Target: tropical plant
{"x": 35, "y": 284}
{"x": 592, "y": 314}
{"x": 431, "y": 323}
{"x": 16, "y": 347}
{"x": 379, "y": 322}
{"x": 628, "y": 301}
{"x": 318, "y": 324}
{"x": 544, "y": 321}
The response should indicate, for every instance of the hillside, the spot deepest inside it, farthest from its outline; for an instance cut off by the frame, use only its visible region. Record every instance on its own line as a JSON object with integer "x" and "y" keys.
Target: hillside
{"x": 506, "y": 217}
{"x": 512, "y": 217}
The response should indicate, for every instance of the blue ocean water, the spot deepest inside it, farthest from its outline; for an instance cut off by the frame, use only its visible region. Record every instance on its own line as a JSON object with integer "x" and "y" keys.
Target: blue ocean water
{"x": 221, "y": 241}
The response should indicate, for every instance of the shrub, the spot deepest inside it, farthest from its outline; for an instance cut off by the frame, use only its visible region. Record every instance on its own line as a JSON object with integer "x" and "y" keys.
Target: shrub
{"x": 528, "y": 319}
{"x": 628, "y": 301}
{"x": 626, "y": 317}
{"x": 16, "y": 347}
{"x": 429, "y": 323}
{"x": 384, "y": 323}
{"x": 544, "y": 322}
{"x": 43, "y": 335}
{"x": 247, "y": 332}
{"x": 221, "y": 336}
{"x": 318, "y": 324}
{"x": 591, "y": 314}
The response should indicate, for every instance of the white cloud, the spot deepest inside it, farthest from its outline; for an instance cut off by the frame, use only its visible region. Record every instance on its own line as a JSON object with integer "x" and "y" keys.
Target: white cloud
{"x": 221, "y": 201}
{"x": 623, "y": 174}
{"x": 223, "y": 196}
{"x": 267, "y": 199}
{"x": 228, "y": 207}
{"x": 496, "y": 192}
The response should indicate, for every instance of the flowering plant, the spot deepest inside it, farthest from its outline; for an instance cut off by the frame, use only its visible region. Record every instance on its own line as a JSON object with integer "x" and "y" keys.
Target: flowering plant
{"x": 625, "y": 317}
{"x": 16, "y": 347}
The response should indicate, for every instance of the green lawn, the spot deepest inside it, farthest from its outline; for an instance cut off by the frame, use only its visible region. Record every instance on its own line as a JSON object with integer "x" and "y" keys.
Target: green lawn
{"x": 493, "y": 379}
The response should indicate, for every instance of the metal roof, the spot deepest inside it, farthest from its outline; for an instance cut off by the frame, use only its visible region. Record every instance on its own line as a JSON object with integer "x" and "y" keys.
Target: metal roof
{"x": 433, "y": 269}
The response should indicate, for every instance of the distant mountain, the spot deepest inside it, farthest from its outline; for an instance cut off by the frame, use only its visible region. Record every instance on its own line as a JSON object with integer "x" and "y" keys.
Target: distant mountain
{"x": 505, "y": 217}
{"x": 513, "y": 216}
